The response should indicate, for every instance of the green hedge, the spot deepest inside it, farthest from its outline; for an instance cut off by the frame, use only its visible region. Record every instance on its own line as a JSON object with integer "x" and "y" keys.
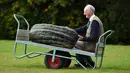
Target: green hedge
{"x": 113, "y": 13}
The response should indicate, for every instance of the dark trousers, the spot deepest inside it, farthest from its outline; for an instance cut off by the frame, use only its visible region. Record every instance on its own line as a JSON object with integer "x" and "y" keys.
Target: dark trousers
{"x": 83, "y": 59}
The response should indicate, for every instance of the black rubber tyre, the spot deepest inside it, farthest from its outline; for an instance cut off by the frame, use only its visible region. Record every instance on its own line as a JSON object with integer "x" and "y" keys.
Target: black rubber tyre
{"x": 58, "y": 63}
{"x": 67, "y": 61}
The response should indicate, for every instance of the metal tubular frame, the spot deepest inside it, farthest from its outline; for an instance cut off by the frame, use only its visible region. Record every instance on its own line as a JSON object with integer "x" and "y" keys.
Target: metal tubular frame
{"x": 54, "y": 48}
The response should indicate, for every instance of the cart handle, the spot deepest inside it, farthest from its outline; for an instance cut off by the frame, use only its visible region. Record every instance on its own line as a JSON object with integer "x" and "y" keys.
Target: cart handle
{"x": 15, "y": 16}
{"x": 107, "y": 33}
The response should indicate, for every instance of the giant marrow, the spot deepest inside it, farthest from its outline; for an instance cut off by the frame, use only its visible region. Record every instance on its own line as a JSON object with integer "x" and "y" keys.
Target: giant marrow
{"x": 53, "y": 35}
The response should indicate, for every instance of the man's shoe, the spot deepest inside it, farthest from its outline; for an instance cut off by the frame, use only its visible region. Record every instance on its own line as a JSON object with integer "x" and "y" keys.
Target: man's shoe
{"x": 77, "y": 65}
{"x": 91, "y": 64}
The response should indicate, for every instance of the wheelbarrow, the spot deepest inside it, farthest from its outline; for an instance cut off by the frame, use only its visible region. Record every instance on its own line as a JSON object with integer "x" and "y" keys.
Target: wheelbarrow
{"x": 57, "y": 57}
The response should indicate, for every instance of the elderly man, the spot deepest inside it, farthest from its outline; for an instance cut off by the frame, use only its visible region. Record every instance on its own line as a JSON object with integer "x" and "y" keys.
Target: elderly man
{"x": 93, "y": 30}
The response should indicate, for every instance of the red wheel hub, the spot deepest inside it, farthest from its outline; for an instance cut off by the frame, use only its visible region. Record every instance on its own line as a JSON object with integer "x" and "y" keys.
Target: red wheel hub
{"x": 56, "y": 61}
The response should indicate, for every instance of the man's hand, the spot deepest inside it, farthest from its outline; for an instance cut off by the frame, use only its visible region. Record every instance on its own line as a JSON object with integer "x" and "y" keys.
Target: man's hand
{"x": 80, "y": 37}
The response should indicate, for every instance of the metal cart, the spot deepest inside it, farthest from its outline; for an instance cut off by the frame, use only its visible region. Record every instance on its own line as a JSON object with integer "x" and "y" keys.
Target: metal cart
{"x": 58, "y": 57}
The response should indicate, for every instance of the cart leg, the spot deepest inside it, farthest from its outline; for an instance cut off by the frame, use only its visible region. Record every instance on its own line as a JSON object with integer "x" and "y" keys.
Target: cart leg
{"x": 80, "y": 63}
{"x": 15, "y": 45}
{"x": 53, "y": 56}
{"x": 101, "y": 59}
{"x": 28, "y": 55}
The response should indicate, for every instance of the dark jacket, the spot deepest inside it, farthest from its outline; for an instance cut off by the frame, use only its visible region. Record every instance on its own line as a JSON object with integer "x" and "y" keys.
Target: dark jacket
{"x": 94, "y": 31}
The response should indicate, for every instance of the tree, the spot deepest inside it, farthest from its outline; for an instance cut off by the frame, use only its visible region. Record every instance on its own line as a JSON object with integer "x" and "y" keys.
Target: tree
{"x": 113, "y": 13}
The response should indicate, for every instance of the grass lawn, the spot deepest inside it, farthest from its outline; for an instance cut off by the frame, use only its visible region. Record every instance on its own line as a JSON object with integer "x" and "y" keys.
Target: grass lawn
{"x": 116, "y": 60}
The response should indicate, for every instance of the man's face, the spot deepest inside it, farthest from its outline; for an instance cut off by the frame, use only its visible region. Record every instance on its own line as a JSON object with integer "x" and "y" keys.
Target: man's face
{"x": 87, "y": 12}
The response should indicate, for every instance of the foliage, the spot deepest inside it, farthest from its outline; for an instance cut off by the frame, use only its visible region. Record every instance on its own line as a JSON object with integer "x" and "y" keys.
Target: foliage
{"x": 113, "y": 13}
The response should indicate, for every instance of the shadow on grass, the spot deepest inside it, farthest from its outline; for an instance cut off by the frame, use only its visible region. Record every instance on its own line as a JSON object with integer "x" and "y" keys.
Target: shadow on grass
{"x": 71, "y": 67}
{"x": 102, "y": 68}
{"x": 41, "y": 66}
{"x": 117, "y": 68}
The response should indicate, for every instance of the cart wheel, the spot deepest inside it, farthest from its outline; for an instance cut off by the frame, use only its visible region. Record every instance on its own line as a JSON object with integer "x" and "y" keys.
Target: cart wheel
{"x": 67, "y": 62}
{"x": 58, "y": 62}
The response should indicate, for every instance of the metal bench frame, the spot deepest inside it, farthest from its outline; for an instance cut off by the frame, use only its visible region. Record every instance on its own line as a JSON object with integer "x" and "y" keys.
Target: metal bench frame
{"x": 25, "y": 33}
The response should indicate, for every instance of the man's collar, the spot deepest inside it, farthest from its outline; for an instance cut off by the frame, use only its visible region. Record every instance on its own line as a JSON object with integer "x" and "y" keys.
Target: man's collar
{"x": 91, "y": 17}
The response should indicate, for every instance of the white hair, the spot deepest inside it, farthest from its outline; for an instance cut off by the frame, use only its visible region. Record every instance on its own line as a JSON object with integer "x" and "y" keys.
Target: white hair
{"x": 90, "y": 7}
